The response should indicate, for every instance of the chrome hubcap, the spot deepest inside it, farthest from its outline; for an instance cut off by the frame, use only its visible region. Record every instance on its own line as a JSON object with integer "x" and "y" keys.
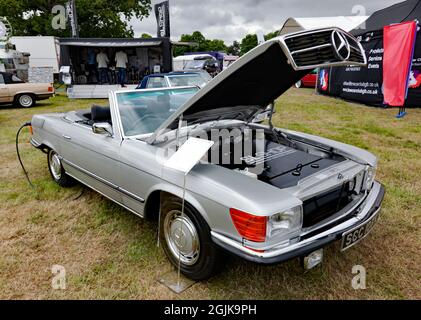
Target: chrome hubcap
{"x": 25, "y": 101}
{"x": 181, "y": 237}
{"x": 55, "y": 165}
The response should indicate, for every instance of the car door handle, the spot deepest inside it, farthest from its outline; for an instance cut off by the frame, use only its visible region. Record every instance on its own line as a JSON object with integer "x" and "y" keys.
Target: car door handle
{"x": 67, "y": 137}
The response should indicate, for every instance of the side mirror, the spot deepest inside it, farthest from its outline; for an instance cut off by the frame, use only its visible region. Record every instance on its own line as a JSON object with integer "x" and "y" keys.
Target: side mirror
{"x": 102, "y": 128}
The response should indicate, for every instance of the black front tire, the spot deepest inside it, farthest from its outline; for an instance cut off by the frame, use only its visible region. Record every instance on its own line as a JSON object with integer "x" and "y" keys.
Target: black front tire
{"x": 57, "y": 171}
{"x": 210, "y": 257}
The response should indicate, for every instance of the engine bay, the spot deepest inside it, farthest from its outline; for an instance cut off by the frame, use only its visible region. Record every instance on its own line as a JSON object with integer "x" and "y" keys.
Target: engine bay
{"x": 269, "y": 157}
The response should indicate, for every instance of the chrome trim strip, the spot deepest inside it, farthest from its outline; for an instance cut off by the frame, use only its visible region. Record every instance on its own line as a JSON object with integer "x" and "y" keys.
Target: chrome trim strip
{"x": 276, "y": 252}
{"x": 106, "y": 182}
{"x": 92, "y": 175}
{"x": 131, "y": 195}
{"x": 106, "y": 196}
{"x": 34, "y": 143}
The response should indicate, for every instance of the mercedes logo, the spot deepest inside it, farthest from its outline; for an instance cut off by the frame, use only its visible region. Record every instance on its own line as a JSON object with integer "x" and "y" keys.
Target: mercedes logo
{"x": 341, "y": 45}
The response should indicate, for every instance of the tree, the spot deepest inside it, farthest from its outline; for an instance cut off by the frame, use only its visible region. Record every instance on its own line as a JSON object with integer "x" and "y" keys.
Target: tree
{"x": 146, "y": 36}
{"x": 234, "y": 49}
{"x": 199, "y": 44}
{"x": 248, "y": 43}
{"x": 215, "y": 45}
{"x": 96, "y": 18}
{"x": 271, "y": 35}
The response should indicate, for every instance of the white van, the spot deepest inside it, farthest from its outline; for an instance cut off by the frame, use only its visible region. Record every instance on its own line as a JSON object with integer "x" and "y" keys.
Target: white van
{"x": 180, "y": 62}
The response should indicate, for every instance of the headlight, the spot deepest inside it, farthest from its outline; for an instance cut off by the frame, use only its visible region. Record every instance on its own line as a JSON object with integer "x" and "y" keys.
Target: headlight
{"x": 285, "y": 222}
{"x": 370, "y": 174}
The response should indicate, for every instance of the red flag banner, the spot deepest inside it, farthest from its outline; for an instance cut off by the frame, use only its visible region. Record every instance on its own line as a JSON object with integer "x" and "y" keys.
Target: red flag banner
{"x": 398, "y": 41}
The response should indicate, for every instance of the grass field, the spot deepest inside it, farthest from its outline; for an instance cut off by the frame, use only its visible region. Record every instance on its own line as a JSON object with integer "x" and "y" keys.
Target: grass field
{"x": 110, "y": 253}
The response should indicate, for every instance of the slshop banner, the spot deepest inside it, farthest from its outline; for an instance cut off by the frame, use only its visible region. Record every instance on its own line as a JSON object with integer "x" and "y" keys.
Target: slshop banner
{"x": 162, "y": 14}
{"x": 398, "y": 42}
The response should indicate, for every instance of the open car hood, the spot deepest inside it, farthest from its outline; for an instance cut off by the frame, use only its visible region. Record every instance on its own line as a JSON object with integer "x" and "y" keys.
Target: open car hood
{"x": 266, "y": 72}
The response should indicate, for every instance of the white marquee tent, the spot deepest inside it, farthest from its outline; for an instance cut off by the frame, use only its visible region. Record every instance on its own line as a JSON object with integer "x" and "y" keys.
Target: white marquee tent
{"x": 346, "y": 23}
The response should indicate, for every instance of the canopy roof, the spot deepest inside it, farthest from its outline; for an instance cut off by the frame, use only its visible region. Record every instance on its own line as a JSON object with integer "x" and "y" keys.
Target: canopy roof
{"x": 345, "y": 23}
{"x": 400, "y": 12}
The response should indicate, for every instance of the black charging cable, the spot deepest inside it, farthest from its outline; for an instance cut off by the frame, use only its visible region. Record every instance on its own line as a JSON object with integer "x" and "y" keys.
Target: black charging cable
{"x": 27, "y": 124}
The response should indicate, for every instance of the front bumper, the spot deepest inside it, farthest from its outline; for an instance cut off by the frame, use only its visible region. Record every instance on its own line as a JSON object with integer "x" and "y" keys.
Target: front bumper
{"x": 311, "y": 242}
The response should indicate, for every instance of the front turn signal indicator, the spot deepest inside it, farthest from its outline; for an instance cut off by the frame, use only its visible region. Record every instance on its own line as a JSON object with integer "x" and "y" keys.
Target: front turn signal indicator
{"x": 249, "y": 226}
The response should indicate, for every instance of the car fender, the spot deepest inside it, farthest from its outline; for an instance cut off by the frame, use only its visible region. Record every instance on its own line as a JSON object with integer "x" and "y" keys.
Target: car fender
{"x": 178, "y": 192}
{"x": 26, "y": 92}
{"x": 43, "y": 137}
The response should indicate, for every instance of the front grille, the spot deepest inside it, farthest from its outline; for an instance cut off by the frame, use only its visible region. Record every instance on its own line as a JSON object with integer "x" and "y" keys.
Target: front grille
{"x": 300, "y": 42}
{"x": 324, "y": 205}
{"x": 311, "y": 49}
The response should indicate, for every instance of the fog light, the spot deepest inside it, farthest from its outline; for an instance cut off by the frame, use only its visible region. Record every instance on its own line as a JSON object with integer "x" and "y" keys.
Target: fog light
{"x": 313, "y": 259}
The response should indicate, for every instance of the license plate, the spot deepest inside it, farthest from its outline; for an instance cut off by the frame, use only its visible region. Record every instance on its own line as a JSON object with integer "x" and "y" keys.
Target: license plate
{"x": 351, "y": 237}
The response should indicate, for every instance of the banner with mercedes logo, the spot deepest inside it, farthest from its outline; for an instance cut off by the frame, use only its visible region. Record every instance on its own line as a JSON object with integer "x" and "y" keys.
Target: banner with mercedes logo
{"x": 162, "y": 13}
{"x": 365, "y": 84}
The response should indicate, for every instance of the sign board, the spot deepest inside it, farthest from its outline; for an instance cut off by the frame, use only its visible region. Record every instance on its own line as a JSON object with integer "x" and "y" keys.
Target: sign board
{"x": 162, "y": 14}
{"x": 189, "y": 154}
{"x": 40, "y": 75}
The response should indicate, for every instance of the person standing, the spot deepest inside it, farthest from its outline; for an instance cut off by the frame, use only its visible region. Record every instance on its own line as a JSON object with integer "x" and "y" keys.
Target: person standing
{"x": 102, "y": 60}
{"x": 121, "y": 65}
{"x": 91, "y": 66}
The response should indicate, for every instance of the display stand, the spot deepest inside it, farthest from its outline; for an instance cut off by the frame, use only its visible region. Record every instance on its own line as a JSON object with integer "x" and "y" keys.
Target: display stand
{"x": 187, "y": 156}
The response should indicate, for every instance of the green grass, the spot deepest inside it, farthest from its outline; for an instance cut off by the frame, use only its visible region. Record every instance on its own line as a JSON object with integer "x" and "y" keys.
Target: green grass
{"x": 110, "y": 253}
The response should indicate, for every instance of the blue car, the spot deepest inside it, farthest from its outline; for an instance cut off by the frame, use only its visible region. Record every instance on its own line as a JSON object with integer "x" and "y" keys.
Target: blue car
{"x": 174, "y": 79}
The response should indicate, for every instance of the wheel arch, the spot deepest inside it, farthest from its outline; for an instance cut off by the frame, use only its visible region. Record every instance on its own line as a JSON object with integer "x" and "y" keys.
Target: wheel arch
{"x": 46, "y": 146}
{"x": 153, "y": 200}
{"x": 18, "y": 94}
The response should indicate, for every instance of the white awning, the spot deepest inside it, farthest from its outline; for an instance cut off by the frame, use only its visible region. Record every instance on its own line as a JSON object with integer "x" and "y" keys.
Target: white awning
{"x": 108, "y": 43}
{"x": 345, "y": 23}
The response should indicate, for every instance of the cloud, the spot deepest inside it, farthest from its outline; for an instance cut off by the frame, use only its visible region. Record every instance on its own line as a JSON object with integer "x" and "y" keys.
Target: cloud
{"x": 231, "y": 20}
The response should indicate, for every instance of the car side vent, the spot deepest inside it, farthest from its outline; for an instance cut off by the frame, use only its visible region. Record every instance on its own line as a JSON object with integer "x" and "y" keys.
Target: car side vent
{"x": 318, "y": 48}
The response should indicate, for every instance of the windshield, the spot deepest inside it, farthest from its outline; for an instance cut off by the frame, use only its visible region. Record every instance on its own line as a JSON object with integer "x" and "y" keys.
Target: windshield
{"x": 143, "y": 112}
{"x": 205, "y": 76}
{"x": 186, "y": 80}
{"x": 195, "y": 64}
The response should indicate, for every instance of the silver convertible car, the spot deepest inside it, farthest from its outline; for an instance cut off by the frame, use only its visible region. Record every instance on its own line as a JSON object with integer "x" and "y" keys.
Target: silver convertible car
{"x": 263, "y": 193}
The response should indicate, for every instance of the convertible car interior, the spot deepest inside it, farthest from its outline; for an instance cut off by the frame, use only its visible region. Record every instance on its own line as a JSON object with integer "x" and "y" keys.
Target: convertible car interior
{"x": 95, "y": 115}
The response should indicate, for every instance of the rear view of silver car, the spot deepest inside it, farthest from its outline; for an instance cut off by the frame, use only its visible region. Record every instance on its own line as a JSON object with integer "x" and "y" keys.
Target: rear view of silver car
{"x": 286, "y": 194}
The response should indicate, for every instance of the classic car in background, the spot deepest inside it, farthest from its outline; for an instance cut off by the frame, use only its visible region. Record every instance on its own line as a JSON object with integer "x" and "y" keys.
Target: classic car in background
{"x": 22, "y": 94}
{"x": 175, "y": 79}
{"x": 288, "y": 195}
{"x": 308, "y": 81}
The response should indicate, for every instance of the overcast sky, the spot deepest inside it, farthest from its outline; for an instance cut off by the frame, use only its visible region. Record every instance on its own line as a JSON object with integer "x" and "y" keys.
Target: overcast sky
{"x": 232, "y": 19}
